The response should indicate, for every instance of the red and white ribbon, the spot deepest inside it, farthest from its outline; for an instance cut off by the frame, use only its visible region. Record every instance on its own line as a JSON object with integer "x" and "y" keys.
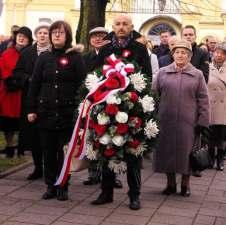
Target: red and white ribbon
{"x": 115, "y": 70}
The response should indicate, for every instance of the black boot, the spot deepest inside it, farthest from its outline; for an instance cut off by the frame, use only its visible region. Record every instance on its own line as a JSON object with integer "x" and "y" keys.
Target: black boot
{"x": 220, "y": 159}
{"x": 50, "y": 193}
{"x": 10, "y": 151}
{"x": 134, "y": 203}
{"x": 62, "y": 193}
{"x": 106, "y": 196}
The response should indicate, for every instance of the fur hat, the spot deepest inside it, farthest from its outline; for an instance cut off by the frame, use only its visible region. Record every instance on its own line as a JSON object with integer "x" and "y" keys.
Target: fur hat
{"x": 98, "y": 30}
{"x": 25, "y": 31}
{"x": 182, "y": 44}
{"x": 41, "y": 25}
{"x": 221, "y": 46}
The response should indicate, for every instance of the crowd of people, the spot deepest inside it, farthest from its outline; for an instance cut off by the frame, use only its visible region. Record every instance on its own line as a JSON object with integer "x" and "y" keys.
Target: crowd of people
{"x": 39, "y": 83}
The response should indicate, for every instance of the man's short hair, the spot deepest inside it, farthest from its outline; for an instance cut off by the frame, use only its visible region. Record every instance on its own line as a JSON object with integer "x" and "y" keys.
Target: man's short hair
{"x": 188, "y": 27}
{"x": 164, "y": 31}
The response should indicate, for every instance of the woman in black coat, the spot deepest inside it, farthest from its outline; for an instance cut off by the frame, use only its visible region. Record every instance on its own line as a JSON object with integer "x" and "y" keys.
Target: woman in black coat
{"x": 28, "y": 133}
{"x": 55, "y": 81}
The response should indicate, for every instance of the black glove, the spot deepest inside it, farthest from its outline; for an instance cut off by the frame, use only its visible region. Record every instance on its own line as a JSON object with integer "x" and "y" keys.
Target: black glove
{"x": 204, "y": 132}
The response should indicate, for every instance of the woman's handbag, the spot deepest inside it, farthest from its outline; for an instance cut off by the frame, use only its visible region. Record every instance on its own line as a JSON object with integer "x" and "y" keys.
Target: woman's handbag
{"x": 77, "y": 164}
{"x": 199, "y": 157}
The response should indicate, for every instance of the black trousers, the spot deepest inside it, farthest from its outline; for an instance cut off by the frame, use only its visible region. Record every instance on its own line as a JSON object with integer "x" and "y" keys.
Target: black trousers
{"x": 52, "y": 142}
{"x": 133, "y": 176}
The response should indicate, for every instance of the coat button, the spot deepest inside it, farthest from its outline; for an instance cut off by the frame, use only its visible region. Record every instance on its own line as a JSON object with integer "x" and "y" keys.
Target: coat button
{"x": 57, "y": 114}
{"x": 57, "y": 71}
{"x": 56, "y": 86}
{"x": 56, "y": 101}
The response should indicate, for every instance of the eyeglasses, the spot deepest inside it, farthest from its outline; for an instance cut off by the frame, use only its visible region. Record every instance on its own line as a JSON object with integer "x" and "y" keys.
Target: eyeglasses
{"x": 58, "y": 32}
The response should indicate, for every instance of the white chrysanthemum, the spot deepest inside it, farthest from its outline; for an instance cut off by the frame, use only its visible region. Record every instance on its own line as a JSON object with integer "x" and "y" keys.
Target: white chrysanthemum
{"x": 90, "y": 153}
{"x": 112, "y": 99}
{"x": 117, "y": 166}
{"x": 138, "y": 80}
{"x": 118, "y": 140}
{"x": 105, "y": 139}
{"x": 121, "y": 117}
{"x": 91, "y": 80}
{"x": 103, "y": 119}
{"x": 147, "y": 103}
{"x": 151, "y": 129}
{"x": 139, "y": 150}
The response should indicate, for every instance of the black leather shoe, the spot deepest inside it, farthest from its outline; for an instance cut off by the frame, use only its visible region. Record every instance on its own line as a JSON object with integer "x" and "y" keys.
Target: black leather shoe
{"x": 50, "y": 193}
{"x": 196, "y": 173}
{"x": 35, "y": 175}
{"x": 103, "y": 198}
{"x": 118, "y": 183}
{"x": 62, "y": 194}
{"x": 220, "y": 167}
{"x": 185, "y": 191}
{"x": 134, "y": 204}
{"x": 91, "y": 181}
{"x": 170, "y": 190}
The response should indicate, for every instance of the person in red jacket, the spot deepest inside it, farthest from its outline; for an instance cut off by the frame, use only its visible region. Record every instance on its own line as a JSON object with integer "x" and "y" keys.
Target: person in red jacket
{"x": 10, "y": 96}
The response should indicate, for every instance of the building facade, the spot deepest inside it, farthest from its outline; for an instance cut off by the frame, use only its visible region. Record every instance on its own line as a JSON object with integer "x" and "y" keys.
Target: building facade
{"x": 149, "y": 16}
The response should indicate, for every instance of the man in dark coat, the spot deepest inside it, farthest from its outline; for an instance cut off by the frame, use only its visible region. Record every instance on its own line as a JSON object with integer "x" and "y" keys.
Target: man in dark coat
{"x": 200, "y": 58}
{"x": 29, "y": 135}
{"x": 163, "y": 48}
{"x": 123, "y": 38}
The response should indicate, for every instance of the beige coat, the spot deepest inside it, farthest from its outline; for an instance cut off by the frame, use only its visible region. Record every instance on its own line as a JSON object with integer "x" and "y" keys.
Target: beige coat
{"x": 217, "y": 95}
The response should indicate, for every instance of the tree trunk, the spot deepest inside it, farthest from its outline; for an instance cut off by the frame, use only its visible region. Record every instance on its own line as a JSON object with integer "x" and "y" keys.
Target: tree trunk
{"x": 92, "y": 14}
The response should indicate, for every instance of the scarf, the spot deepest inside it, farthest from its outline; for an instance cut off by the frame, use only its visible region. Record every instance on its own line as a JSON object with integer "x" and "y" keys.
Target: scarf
{"x": 42, "y": 49}
{"x": 124, "y": 44}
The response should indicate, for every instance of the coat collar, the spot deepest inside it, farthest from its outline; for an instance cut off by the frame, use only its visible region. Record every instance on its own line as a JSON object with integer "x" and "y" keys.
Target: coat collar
{"x": 188, "y": 69}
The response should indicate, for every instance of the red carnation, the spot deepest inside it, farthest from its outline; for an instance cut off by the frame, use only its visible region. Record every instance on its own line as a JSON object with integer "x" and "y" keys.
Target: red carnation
{"x": 122, "y": 128}
{"x": 137, "y": 122}
{"x": 100, "y": 129}
{"x": 109, "y": 152}
{"x": 134, "y": 143}
{"x": 112, "y": 83}
{"x": 111, "y": 109}
{"x": 133, "y": 96}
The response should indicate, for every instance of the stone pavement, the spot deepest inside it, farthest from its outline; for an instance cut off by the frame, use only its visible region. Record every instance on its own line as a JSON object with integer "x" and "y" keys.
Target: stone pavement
{"x": 21, "y": 203}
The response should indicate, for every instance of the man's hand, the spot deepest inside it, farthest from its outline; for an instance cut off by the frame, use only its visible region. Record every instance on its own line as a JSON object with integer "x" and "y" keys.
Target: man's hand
{"x": 31, "y": 117}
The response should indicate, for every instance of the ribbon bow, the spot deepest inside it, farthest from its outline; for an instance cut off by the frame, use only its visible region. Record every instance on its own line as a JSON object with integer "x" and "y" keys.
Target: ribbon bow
{"x": 116, "y": 80}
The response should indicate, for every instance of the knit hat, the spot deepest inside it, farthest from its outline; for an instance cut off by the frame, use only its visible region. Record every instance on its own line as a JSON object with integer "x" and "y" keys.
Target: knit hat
{"x": 98, "y": 30}
{"x": 182, "y": 44}
{"x": 25, "y": 31}
{"x": 40, "y": 26}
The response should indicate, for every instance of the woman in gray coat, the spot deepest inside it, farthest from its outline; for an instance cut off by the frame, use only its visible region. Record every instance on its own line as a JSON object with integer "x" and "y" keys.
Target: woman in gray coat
{"x": 183, "y": 114}
{"x": 217, "y": 94}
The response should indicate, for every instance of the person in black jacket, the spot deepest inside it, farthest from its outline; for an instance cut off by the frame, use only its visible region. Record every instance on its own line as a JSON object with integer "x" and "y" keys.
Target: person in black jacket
{"x": 96, "y": 39}
{"x": 52, "y": 102}
{"x": 200, "y": 58}
{"x": 123, "y": 38}
{"x": 28, "y": 134}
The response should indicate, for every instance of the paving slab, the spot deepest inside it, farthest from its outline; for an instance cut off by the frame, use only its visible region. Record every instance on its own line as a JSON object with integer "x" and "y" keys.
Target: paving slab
{"x": 21, "y": 203}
